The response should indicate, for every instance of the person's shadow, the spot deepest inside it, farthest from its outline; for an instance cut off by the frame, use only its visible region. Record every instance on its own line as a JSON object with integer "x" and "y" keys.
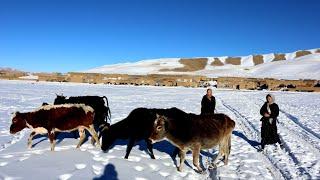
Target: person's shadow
{"x": 253, "y": 143}
{"x": 109, "y": 173}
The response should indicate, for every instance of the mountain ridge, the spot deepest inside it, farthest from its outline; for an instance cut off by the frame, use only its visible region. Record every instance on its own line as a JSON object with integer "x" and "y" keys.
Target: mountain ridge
{"x": 301, "y": 64}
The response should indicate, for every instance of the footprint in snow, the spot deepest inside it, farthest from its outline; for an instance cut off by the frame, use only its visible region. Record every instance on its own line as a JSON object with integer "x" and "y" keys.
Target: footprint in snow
{"x": 138, "y": 168}
{"x": 7, "y": 156}
{"x": 153, "y": 166}
{"x": 144, "y": 155}
{"x": 3, "y": 164}
{"x": 140, "y": 178}
{"x": 97, "y": 169}
{"x": 110, "y": 156}
{"x": 164, "y": 174}
{"x": 98, "y": 158}
{"x": 65, "y": 176}
{"x": 134, "y": 158}
{"x": 80, "y": 166}
{"x": 166, "y": 163}
{"x": 94, "y": 152}
{"x": 24, "y": 158}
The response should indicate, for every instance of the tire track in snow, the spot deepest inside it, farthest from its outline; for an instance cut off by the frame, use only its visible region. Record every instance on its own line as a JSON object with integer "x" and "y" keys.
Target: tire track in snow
{"x": 277, "y": 172}
{"x": 254, "y": 134}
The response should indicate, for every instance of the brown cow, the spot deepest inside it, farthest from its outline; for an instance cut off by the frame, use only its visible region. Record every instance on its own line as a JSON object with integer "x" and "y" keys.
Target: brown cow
{"x": 56, "y": 118}
{"x": 195, "y": 132}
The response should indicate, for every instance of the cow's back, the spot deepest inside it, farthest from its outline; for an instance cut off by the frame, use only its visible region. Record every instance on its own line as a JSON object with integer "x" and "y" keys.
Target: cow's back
{"x": 206, "y": 129}
{"x": 67, "y": 117}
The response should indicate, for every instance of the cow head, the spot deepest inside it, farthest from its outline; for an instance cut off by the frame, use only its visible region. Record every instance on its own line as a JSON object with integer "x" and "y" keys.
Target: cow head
{"x": 160, "y": 128}
{"x": 59, "y": 99}
{"x": 18, "y": 123}
{"x": 108, "y": 137}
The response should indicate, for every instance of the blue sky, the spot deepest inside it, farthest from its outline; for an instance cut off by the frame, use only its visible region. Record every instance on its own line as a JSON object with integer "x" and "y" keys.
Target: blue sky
{"x": 65, "y": 35}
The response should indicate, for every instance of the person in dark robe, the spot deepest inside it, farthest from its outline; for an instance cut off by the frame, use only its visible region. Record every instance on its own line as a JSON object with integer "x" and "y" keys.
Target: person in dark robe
{"x": 270, "y": 113}
{"x": 208, "y": 103}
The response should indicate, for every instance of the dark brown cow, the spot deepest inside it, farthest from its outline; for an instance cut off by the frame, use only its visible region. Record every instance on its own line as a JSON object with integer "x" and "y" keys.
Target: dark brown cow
{"x": 195, "y": 132}
{"x": 56, "y": 118}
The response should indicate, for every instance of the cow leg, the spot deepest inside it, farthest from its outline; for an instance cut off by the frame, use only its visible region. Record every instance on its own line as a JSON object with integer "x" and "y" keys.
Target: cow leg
{"x": 182, "y": 156}
{"x": 52, "y": 139}
{"x": 150, "y": 148}
{"x": 227, "y": 150}
{"x": 82, "y": 135}
{"x": 94, "y": 135}
{"x": 219, "y": 155}
{"x": 196, "y": 154}
{"x": 32, "y": 134}
{"x": 129, "y": 147}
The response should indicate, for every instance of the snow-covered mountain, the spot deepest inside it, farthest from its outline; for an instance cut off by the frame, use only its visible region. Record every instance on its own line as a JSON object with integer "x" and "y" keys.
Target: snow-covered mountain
{"x": 302, "y": 64}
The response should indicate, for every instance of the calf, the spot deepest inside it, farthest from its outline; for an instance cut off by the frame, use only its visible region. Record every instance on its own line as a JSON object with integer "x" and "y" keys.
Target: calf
{"x": 56, "y": 118}
{"x": 195, "y": 132}
{"x": 101, "y": 111}
{"x": 136, "y": 126}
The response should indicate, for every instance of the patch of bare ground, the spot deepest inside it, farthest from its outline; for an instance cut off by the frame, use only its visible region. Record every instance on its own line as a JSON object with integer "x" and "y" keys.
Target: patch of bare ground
{"x": 189, "y": 65}
{"x": 279, "y": 57}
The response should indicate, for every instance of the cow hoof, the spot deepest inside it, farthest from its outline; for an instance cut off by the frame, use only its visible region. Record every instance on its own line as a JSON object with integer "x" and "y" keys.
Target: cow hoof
{"x": 126, "y": 157}
{"x": 200, "y": 171}
{"x": 179, "y": 169}
{"x": 212, "y": 166}
{"x": 152, "y": 157}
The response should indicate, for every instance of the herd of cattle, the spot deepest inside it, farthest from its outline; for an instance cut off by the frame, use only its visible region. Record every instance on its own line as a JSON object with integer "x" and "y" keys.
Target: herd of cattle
{"x": 186, "y": 131}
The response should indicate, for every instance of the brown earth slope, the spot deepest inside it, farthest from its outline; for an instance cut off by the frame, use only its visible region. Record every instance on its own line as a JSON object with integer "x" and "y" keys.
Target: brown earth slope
{"x": 233, "y": 60}
{"x": 190, "y": 64}
{"x": 302, "y": 53}
{"x": 258, "y": 59}
{"x": 216, "y": 62}
{"x": 279, "y": 57}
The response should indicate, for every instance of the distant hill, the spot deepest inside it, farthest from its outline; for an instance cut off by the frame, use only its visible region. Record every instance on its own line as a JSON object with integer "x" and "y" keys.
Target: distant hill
{"x": 302, "y": 64}
{"x": 7, "y": 69}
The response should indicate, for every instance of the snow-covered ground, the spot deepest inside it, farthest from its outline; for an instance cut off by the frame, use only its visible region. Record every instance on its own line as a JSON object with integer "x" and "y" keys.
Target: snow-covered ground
{"x": 299, "y": 127}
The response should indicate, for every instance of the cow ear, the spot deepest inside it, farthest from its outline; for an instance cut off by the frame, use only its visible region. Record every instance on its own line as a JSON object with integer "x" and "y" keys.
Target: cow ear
{"x": 157, "y": 115}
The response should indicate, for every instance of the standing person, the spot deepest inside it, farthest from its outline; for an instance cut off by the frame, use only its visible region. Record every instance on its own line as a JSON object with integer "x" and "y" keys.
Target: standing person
{"x": 208, "y": 103}
{"x": 269, "y": 112}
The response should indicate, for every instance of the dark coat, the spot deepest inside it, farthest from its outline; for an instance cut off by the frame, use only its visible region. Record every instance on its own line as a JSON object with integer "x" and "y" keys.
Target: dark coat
{"x": 207, "y": 106}
{"x": 269, "y": 134}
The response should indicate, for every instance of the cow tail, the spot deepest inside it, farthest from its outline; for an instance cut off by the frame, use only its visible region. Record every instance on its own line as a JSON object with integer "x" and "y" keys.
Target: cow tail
{"x": 109, "y": 112}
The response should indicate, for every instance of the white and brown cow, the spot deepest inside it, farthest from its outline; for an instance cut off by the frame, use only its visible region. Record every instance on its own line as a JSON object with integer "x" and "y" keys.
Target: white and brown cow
{"x": 56, "y": 118}
{"x": 195, "y": 132}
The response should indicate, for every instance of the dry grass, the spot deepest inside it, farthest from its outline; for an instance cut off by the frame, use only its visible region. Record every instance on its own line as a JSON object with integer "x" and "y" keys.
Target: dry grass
{"x": 258, "y": 59}
{"x": 190, "y": 64}
{"x": 279, "y": 57}
{"x": 216, "y": 62}
{"x": 302, "y": 53}
{"x": 233, "y": 60}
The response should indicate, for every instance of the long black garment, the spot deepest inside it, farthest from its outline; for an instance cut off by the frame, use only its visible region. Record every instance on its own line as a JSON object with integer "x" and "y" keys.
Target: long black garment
{"x": 269, "y": 134}
{"x": 207, "y": 106}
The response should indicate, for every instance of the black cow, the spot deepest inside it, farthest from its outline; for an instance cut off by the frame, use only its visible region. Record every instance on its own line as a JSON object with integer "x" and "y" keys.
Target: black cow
{"x": 138, "y": 125}
{"x": 101, "y": 111}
